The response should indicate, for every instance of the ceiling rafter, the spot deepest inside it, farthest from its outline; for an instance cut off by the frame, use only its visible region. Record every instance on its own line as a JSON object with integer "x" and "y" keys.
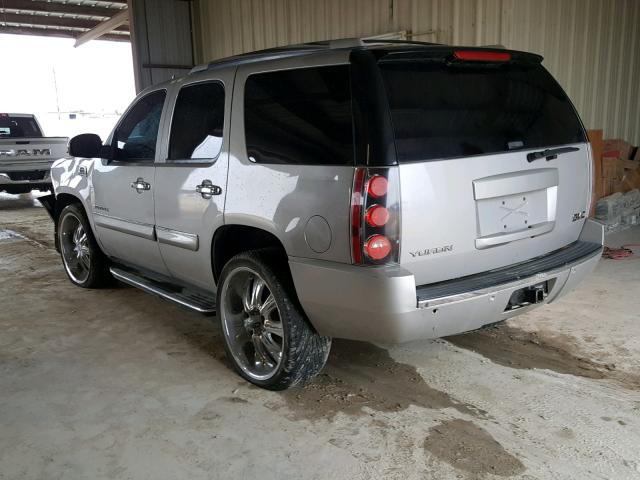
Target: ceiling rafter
{"x": 109, "y": 25}
{"x": 60, "y": 33}
{"x": 61, "y": 8}
{"x": 83, "y": 20}
{"x": 52, "y": 21}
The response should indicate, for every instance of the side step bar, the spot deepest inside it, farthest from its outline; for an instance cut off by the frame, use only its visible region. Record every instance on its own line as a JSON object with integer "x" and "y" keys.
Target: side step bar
{"x": 203, "y": 302}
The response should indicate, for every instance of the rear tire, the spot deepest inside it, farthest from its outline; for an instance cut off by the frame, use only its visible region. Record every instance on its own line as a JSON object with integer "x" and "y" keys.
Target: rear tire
{"x": 266, "y": 334}
{"x": 85, "y": 264}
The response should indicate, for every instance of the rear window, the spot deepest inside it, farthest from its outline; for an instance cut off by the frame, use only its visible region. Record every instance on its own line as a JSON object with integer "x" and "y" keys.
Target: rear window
{"x": 299, "y": 116}
{"x": 441, "y": 111}
{"x": 17, "y": 127}
{"x": 198, "y": 121}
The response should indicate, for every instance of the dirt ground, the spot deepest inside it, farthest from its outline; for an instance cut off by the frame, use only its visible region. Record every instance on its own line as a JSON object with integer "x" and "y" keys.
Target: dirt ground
{"x": 118, "y": 384}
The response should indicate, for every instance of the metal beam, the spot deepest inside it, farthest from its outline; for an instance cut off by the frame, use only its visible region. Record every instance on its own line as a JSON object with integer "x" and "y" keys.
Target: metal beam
{"x": 60, "y": 8}
{"x": 105, "y": 27}
{"x": 50, "y": 32}
{"x": 56, "y": 21}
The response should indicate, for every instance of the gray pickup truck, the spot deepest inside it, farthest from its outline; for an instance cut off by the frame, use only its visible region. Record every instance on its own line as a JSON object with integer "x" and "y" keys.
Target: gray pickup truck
{"x": 26, "y": 155}
{"x": 383, "y": 192}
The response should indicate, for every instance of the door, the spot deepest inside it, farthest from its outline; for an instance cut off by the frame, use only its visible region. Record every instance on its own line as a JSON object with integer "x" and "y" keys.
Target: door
{"x": 191, "y": 180}
{"x": 123, "y": 187}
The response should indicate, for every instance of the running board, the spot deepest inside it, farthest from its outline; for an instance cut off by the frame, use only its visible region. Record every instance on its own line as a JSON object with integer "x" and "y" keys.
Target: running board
{"x": 199, "y": 301}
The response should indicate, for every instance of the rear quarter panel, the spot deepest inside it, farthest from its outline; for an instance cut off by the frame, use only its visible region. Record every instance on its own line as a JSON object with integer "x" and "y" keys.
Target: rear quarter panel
{"x": 281, "y": 199}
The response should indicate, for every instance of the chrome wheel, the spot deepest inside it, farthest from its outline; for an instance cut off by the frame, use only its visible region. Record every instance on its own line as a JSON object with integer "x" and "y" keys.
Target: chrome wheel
{"x": 252, "y": 323}
{"x": 74, "y": 245}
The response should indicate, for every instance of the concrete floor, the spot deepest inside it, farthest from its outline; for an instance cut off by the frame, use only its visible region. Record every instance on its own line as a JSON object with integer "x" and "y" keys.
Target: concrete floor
{"x": 118, "y": 384}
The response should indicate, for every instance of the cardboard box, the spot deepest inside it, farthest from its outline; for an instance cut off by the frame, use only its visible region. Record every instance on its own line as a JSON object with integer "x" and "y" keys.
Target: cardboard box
{"x": 615, "y": 147}
{"x": 611, "y": 167}
{"x": 609, "y": 186}
{"x": 630, "y": 180}
{"x": 628, "y": 164}
{"x": 597, "y": 146}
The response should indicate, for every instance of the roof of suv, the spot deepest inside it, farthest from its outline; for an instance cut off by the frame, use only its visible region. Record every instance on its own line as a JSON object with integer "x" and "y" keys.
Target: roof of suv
{"x": 327, "y": 47}
{"x": 303, "y": 49}
{"x": 342, "y": 44}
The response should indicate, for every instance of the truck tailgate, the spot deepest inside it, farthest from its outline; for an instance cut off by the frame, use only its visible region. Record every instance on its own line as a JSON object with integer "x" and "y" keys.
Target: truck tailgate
{"x": 18, "y": 154}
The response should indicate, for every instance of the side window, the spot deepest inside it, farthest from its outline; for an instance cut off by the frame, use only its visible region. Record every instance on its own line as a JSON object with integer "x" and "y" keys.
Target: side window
{"x": 300, "y": 116}
{"x": 135, "y": 138}
{"x": 198, "y": 121}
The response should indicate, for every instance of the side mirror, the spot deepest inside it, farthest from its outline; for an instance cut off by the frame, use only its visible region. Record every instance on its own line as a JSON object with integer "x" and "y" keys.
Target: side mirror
{"x": 86, "y": 145}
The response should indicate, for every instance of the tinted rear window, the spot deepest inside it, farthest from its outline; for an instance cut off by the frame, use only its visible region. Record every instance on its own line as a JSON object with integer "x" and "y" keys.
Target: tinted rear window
{"x": 300, "y": 116}
{"x": 440, "y": 111}
{"x": 198, "y": 121}
{"x": 17, "y": 127}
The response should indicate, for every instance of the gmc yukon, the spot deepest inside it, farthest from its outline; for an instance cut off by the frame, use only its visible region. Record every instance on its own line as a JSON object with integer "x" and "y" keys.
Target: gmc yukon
{"x": 383, "y": 192}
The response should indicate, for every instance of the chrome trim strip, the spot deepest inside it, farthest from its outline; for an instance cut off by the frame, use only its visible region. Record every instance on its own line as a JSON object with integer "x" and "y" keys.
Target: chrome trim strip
{"x": 501, "y": 238}
{"x": 148, "y": 287}
{"x": 517, "y": 182}
{"x": 137, "y": 229}
{"x": 176, "y": 238}
{"x": 533, "y": 279}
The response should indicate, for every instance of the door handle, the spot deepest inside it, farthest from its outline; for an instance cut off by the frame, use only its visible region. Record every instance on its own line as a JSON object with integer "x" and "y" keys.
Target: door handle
{"x": 208, "y": 189}
{"x": 140, "y": 185}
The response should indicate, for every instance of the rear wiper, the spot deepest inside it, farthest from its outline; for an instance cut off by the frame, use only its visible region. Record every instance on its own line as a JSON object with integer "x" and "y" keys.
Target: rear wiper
{"x": 550, "y": 153}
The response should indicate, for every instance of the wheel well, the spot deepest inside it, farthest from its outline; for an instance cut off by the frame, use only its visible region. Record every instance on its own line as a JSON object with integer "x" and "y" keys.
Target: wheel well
{"x": 230, "y": 240}
{"x": 64, "y": 199}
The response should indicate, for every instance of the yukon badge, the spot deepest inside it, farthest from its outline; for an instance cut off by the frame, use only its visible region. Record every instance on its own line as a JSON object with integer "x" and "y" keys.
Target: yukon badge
{"x": 431, "y": 251}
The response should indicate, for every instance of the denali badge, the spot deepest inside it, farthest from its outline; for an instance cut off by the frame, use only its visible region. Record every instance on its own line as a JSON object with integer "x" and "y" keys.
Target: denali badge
{"x": 25, "y": 152}
{"x": 431, "y": 251}
{"x": 578, "y": 216}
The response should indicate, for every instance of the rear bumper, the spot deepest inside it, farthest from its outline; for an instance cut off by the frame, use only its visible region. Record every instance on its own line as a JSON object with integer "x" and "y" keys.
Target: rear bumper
{"x": 384, "y": 305}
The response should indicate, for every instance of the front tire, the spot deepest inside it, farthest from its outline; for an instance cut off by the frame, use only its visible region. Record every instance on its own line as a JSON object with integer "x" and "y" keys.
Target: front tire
{"x": 266, "y": 335}
{"x": 85, "y": 264}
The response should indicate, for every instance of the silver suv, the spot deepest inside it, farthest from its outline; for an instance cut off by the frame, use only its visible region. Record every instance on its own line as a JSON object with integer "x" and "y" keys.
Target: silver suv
{"x": 383, "y": 192}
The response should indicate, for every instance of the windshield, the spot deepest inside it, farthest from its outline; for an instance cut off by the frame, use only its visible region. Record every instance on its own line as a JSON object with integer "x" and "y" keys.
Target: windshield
{"x": 18, "y": 127}
{"x": 441, "y": 111}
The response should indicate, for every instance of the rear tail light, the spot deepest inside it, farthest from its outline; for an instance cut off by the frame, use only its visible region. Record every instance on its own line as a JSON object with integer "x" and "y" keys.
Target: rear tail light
{"x": 377, "y": 247}
{"x": 375, "y": 216}
{"x": 481, "y": 56}
{"x": 377, "y": 186}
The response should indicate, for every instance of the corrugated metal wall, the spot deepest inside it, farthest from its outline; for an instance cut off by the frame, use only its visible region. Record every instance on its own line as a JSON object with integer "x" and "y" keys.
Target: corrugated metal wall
{"x": 161, "y": 40}
{"x": 591, "y": 46}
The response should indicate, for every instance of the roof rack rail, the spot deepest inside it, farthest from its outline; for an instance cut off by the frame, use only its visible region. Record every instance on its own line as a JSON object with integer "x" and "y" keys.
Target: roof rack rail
{"x": 398, "y": 41}
{"x": 301, "y": 49}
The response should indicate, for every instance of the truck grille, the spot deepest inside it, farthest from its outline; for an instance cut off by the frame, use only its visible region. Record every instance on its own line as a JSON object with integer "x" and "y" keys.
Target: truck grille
{"x": 33, "y": 175}
{"x": 511, "y": 273}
